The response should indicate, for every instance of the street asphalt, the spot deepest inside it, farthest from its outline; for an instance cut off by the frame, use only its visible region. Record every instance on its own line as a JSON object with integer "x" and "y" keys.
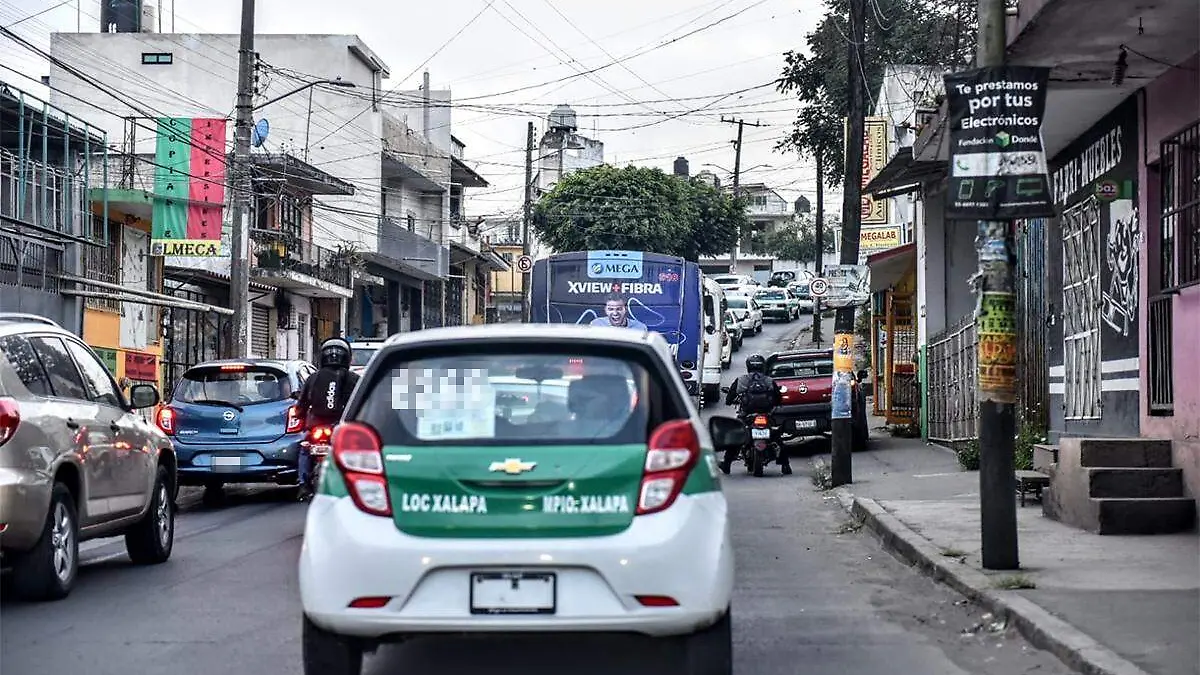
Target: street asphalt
{"x": 815, "y": 594}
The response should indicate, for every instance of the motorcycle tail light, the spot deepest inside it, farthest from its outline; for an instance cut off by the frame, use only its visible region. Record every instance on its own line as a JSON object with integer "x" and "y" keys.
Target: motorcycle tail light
{"x": 760, "y": 420}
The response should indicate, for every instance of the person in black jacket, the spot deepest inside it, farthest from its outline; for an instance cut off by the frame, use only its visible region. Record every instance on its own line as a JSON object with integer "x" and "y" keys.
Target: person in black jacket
{"x": 755, "y": 393}
{"x": 326, "y": 392}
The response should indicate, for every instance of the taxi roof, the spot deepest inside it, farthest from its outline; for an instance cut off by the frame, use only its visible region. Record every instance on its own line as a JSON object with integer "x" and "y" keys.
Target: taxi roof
{"x": 520, "y": 331}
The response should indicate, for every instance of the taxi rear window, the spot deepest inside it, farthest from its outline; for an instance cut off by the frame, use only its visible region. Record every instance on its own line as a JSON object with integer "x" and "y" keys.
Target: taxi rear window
{"x": 503, "y": 399}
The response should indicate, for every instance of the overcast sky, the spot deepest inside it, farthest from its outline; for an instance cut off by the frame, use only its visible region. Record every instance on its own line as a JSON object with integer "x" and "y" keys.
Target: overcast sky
{"x": 512, "y": 44}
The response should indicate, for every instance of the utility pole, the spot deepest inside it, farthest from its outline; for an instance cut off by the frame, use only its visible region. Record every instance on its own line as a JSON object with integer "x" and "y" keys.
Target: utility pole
{"x": 239, "y": 267}
{"x": 997, "y": 410}
{"x": 526, "y": 222}
{"x": 737, "y": 177}
{"x": 819, "y": 263}
{"x": 843, "y": 323}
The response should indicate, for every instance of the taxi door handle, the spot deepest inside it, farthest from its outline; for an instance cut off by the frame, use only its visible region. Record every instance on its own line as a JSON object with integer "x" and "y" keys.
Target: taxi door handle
{"x": 72, "y": 424}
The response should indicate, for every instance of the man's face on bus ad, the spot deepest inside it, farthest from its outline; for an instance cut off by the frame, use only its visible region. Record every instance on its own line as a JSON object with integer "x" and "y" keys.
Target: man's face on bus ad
{"x": 616, "y": 311}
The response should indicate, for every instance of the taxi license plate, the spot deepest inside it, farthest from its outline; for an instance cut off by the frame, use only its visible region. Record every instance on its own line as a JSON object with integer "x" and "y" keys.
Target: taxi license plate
{"x": 760, "y": 433}
{"x": 806, "y": 424}
{"x": 513, "y": 593}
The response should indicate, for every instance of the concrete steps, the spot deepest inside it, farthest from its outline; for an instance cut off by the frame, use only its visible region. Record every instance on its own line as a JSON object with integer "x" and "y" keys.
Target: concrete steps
{"x": 1116, "y": 486}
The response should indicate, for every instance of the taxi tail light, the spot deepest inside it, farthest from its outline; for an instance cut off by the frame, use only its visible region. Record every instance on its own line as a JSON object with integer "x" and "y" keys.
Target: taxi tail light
{"x": 359, "y": 454}
{"x": 656, "y": 601}
{"x": 370, "y": 602}
{"x": 674, "y": 450}
{"x": 295, "y": 420}
{"x": 165, "y": 419}
{"x": 10, "y": 418}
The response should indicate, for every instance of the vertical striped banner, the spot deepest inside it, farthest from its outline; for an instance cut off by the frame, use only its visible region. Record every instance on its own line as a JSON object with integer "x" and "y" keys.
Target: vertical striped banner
{"x": 189, "y": 187}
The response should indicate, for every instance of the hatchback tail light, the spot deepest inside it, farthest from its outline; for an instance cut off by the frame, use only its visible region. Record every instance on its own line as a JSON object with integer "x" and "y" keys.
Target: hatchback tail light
{"x": 359, "y": 454}
{"x": 166, "y": 420}
{"x": 674, "y": 450}
{"x": 295, "y": 420}
{"x": 10, "y": 418}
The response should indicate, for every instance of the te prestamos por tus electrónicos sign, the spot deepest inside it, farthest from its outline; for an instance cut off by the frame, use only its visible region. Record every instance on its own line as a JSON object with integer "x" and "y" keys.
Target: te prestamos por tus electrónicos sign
{"x": 997, "y": 163}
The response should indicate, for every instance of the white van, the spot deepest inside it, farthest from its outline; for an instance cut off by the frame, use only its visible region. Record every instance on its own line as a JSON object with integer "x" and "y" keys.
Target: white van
{"x": 714, "y": 341}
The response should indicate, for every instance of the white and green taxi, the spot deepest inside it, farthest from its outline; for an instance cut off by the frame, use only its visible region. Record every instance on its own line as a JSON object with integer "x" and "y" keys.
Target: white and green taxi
{"x": 520, "y": 478}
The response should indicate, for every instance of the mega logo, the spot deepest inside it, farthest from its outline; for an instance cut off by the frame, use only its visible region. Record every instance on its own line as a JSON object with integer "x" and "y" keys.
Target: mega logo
{"x": 618, "y": 269}
{"x": 605, "y": 287}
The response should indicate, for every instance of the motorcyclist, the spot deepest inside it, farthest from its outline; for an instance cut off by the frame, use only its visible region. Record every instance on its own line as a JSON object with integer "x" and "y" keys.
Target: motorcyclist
{"x": 751, "y": 403}
{"x": 326, "y": 392}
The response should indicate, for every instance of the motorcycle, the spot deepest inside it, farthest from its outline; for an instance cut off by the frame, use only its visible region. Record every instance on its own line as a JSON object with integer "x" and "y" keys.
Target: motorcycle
{"x": 761, "y": 450}
{"x": 317, "y": 442}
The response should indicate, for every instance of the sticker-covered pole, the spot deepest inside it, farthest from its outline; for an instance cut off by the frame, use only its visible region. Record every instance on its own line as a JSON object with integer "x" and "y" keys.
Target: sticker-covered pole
{"x": 995, "y": 327}
{"x": 842, "y": 401}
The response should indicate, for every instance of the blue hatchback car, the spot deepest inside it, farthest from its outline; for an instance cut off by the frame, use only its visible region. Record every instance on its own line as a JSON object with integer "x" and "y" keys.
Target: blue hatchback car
{"x": 236, "y": 421}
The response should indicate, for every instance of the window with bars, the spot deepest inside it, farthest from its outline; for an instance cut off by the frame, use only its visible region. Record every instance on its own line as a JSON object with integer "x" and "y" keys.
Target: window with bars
{"x": 1179, "y": 248}
{"x": 303, "y": 333}
{"x": 103, "y": 263}
{"x": 1082, "y": 385}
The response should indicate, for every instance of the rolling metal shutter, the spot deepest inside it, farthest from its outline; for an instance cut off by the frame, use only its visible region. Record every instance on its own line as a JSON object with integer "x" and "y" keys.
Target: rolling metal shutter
{"x": 260, "y": 331}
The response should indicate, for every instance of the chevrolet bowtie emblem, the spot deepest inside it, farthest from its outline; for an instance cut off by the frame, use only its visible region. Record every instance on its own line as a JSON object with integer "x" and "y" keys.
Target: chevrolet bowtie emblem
{"x": 512, "y": 466}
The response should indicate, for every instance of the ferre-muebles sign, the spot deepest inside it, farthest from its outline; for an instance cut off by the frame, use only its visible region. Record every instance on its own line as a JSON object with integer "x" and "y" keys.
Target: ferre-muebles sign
{"x": 874, "y": 157}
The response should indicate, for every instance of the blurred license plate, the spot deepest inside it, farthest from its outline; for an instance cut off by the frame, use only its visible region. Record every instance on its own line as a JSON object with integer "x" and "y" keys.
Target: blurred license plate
{"x": 227, "y": 461}
{"x": 760, "y": 433}
{"x": 513, "y": 593}
{"x": 320, "y": 449}
{"x": 806, "y": 424}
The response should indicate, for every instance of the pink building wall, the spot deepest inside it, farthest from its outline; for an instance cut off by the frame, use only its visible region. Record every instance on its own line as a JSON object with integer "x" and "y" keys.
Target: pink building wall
{"x": 1171, "y": 103}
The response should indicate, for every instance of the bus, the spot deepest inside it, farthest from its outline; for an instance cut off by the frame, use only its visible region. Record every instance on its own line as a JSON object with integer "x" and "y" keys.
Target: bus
{"x": 640, "y": 290}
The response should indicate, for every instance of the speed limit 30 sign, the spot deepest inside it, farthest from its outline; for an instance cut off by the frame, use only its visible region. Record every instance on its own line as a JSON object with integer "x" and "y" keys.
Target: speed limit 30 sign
{"x": 818, "y": 287}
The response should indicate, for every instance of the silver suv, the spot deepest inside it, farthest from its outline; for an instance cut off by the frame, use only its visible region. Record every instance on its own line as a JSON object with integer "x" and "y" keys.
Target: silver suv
{"x": 76, "y": 461}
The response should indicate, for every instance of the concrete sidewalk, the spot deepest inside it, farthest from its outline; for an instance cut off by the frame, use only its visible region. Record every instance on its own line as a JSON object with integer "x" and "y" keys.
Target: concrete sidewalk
{"x": 1103, "y": 604}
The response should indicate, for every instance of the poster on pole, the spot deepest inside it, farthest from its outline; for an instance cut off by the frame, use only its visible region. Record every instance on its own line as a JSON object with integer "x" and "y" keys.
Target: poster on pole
{"x": 849, "y": 285}
{"x": 189, "y": 187}
{"x": 998, "y": 165}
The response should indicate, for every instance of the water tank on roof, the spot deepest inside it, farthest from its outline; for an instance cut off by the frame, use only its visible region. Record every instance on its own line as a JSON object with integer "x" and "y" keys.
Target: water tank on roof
{"x": 149, "y": 18}
{"x": 563, "y": 117}
{"x": 120, "y": 16}
{"x": 681, "y": 166}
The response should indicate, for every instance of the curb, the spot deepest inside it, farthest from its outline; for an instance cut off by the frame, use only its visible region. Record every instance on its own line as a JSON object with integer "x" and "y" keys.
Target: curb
{"x": 1044, "y": 630}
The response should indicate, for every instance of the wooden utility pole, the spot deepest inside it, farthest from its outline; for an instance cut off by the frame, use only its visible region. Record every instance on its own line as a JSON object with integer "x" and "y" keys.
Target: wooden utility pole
{"x": 819, "y": 263}
{"x": 526, "y": 222}
{"x": 737, "y": 177}
{"x": 239, "y": 267}
{"x": 843, "y": 324}
{"x": 997, "y": 412}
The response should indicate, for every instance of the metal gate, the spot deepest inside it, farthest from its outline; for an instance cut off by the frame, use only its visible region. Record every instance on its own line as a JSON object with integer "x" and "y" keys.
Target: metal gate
{"x": 1033, "y": 373}
{"x": 1081, "y": 310}
{"x": 260, "y": 331}
{"x": 454, "y": 299}
{"x": 189, "y": 337}
{"x": 904, "y": 397}
{"x": 953, "y": 403}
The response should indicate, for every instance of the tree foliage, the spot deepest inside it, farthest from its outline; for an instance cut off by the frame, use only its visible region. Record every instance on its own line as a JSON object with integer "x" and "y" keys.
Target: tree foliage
{"x": 639, "y": 209}
{"x": 798, "y": 240}
{"x": 898, "y": 32}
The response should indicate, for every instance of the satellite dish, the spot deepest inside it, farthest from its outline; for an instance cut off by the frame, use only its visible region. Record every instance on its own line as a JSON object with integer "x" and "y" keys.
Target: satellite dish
{"x": 259, "y": 133}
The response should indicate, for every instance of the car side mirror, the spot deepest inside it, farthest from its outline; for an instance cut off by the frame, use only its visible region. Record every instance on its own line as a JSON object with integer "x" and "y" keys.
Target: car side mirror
{"x": 143, "y": 396}
{"x": 727, "y": 433}
{"x": 710, "y": 329}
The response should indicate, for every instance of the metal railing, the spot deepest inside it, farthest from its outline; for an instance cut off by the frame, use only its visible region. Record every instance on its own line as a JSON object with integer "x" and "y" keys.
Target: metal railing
{"x": 952, "y": 369}
{"x": 49, "y": 197}
{"x": 302, "y": 257}
{"x": 1160, "y": 343}
{"x": 1033, "y": 374}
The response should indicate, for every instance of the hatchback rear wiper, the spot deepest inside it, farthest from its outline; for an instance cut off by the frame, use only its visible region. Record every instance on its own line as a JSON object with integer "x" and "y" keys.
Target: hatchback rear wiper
{"x": 226, "y": 404}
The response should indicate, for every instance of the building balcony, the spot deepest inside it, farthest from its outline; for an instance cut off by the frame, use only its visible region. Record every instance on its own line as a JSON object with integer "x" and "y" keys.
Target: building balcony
{"x": 415, "y": 250}
{"x": 284, "y": 261}
{"x": 412, "y": 160}
{"x": 467, "y": 242}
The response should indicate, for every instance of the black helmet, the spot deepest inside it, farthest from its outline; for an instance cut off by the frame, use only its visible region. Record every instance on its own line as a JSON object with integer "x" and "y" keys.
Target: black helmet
{"x": 335, "y": 353}
{"x": 755, "y": 363}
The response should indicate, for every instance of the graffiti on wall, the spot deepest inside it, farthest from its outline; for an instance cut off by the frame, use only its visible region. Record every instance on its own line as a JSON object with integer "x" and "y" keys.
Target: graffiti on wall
{"x": 1120, "y": 302}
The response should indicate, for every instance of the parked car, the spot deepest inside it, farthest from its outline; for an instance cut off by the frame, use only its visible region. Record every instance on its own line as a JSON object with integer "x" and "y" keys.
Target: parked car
{"x": 236, "y": 421}
{"x": 805, "y": 381}
{"x": 427, "y": 524}
{"x": 738, "y": 284}
{"x": 785, "y": 278}
{"x": 734, "y": 328}
{"x": 76, "y": 461}
{"x": 746, "y": 309}
{"x": 778, "y": 303}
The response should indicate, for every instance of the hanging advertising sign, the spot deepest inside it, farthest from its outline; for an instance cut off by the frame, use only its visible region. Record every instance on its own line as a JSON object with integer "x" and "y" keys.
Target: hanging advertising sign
{"x": 874, "y": 157}
{"x": 997, "y": 162}
{"x": 879, "y": 238}
{"x": 849, "y": 285}
{"x": 189, "y": 187}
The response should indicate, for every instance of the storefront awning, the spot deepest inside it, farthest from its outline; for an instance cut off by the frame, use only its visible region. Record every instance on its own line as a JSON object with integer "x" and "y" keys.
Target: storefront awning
{"x": 903, "y": 174}
{"x": 888, "y": 267}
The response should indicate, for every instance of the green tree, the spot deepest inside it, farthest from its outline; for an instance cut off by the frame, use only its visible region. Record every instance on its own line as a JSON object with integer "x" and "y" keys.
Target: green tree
{"x": 798, "y": 240}
{"x": 640, "y": 209}
{"x": 923, "y": 32}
